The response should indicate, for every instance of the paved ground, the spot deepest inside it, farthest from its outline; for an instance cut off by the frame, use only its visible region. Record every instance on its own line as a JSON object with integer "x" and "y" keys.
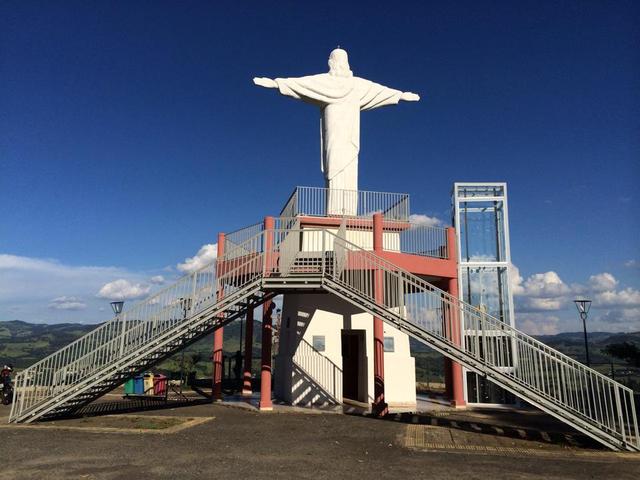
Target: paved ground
{"x": 227, "y": 441}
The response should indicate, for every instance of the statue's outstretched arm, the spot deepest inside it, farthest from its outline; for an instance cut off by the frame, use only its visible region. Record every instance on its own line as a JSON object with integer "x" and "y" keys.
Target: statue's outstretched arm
{"x": 265, "y": 82}
{"x": 410, "y": 97}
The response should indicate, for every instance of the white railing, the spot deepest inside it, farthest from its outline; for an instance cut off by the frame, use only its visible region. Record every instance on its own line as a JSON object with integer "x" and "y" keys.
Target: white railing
{"x": 145, "y": 322}
{"x": 235, "y": 243}
{"x": 340, "y": 255}
{"x": 289, "y": 247}
{"x": 325, "y": 202}
{"x": 424, "y": 240}
{"x": 495, "y": 348}
{"x": 539, "y": 374}
{"x": 359, "y": 206}
{"x": 320, "y": 380}
{"x": 291, "y": 207}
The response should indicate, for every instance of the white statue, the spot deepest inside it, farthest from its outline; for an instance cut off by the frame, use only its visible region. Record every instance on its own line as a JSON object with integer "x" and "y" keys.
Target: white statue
{"x": 341, "y": 97}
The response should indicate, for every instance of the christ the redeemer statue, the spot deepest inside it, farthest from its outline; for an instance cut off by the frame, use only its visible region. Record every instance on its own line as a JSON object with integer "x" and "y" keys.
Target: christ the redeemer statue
{"x": 341, "y": 97}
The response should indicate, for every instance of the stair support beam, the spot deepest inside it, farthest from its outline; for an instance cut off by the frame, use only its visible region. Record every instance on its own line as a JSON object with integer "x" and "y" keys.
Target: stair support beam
{"x": 379, "y": 407}
{"x": 267, "y": 308}
{"x": 218, "y": 338}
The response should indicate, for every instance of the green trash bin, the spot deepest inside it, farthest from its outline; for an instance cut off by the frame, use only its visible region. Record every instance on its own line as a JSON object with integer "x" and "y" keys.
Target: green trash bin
{"x": 129, "y": 388}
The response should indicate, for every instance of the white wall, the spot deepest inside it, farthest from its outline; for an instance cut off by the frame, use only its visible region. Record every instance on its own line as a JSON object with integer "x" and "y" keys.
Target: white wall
{"x": 312, "y": 241}
{"x": 305, "y": 376}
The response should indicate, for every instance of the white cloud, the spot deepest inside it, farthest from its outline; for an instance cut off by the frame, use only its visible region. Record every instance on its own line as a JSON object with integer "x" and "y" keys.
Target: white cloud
{"x": 545, "y": 304}
{"x": 420, "y": 220}
{"x": 516, "y": 280}
{"x": 540, "y": 291}
{"x": 157, "y": 280}
{"x": 123, "y": 289}
{"x": 28, "y": 285}
{"x": 628, "y": 297}
{"x": 67, "y": 303}
{"x": 628, "y": 317}
{"x": 539, "y": 324}
{"x": 612, "y": 309}
{"x": 545, "y": 285}
{"x": 602, "y": 282}
{"x": 205, "y": 256}
{"x": 632, "y": 264}
{"x": 36, "y": 278}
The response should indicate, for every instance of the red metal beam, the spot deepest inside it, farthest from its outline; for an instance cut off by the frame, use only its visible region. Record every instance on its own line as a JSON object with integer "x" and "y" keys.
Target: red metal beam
{"x": 218, "y": 337}
{"x": 379, "y": 406}
{"x": 267, "y": 309}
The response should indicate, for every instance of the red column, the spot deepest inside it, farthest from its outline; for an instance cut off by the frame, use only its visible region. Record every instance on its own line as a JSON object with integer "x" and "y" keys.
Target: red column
{"x": 267, "y": 309}
{"x": 379, "y": 406}
{"x": 218, "y": 335}
{"x": 456, "y": 384}
{"x": 265, "y": 369}
{"x": 247, "y": 389}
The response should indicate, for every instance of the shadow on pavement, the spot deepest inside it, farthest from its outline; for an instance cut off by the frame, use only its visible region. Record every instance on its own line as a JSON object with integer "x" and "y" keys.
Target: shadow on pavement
{"x": 131, "y": 406}
{"x": 507, "y": 424}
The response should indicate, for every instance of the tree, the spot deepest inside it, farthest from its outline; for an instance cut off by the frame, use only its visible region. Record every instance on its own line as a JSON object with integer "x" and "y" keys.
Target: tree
{"x": 626, "y": 351}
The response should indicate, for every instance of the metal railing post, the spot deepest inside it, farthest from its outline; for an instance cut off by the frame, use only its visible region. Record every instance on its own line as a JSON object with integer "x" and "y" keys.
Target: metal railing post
{"x": 122, "y": 316}
{"x": 324, "y": 253}
{"x": 192, "y": 306}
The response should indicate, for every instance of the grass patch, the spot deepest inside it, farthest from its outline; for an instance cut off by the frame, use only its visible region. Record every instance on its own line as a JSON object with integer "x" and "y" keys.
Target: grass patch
{"x": 129, "y": 422}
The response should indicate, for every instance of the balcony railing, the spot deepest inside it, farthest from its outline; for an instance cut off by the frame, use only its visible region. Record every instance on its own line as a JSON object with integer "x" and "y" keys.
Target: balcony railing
{"x": 425, "y": 240}
{"x": 324, "y": 202}
{"x": 400, "y": 235}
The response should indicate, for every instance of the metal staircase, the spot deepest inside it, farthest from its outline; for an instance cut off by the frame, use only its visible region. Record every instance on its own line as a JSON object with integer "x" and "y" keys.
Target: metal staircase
{"x": 276, "y": 261}
{"x": 139, "y": 338}
{"x": 575, "y": 394}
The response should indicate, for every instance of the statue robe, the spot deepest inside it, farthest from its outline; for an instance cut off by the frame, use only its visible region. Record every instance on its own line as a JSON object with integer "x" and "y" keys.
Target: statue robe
{"x": 340, "y": 100}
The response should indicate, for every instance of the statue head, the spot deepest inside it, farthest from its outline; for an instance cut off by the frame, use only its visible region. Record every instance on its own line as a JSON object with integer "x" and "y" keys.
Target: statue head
{"x": 339, "y": 63}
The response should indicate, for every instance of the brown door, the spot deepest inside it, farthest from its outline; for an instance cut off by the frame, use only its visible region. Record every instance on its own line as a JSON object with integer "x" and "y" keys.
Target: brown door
{"x": 352, "y": 344}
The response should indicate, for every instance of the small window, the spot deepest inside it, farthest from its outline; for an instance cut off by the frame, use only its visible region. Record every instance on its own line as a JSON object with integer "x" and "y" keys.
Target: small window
{"x": 318, "y": 342}
{"x": 388, "y": 344}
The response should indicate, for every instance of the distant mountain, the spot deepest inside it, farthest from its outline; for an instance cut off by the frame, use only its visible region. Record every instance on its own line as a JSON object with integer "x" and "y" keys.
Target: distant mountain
{"x": 23, "y": 343}
{"x": 572, "y": 343}
{"x": 429, "y": 364}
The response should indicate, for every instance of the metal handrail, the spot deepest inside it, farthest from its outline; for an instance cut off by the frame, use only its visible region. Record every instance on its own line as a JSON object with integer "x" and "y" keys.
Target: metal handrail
{"x": 320, "y": 369}
{"x": 559, "y": 379}
{"x": 424, "y": 240}
{"x": 326, "y": 202}
{"x": 137, "y": 326}
{"x": 580, "y": 396}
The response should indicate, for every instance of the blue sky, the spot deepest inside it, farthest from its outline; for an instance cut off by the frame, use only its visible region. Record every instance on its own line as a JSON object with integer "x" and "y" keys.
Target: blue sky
{"x": 131, "y": 134}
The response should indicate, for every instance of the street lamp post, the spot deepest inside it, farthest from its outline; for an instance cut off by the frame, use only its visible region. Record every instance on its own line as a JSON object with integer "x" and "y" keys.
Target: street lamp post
{"x": 117, "y": 309}
{"x": 583, "y": 307}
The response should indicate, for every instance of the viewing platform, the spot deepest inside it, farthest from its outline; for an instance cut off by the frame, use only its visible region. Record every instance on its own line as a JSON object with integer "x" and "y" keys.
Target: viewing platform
{"x": 422, "y": 249}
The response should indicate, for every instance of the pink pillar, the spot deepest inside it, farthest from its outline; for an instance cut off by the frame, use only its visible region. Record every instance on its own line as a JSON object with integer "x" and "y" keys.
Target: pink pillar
{"x": 267, "y": 309}
{"x": 456, "y": 384}
{"x": 379, "y": 406}
{"x": 218, "y": 335}
{"x": 247, "y": 389}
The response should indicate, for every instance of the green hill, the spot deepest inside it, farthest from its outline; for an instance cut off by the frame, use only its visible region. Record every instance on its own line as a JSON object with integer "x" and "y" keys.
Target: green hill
{"x": 23, "y": 343}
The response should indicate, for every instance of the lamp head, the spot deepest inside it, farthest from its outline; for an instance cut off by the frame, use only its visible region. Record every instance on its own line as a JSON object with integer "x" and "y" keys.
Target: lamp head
{"x": 583, "y": 305}
{"x": 117, "y": 307}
